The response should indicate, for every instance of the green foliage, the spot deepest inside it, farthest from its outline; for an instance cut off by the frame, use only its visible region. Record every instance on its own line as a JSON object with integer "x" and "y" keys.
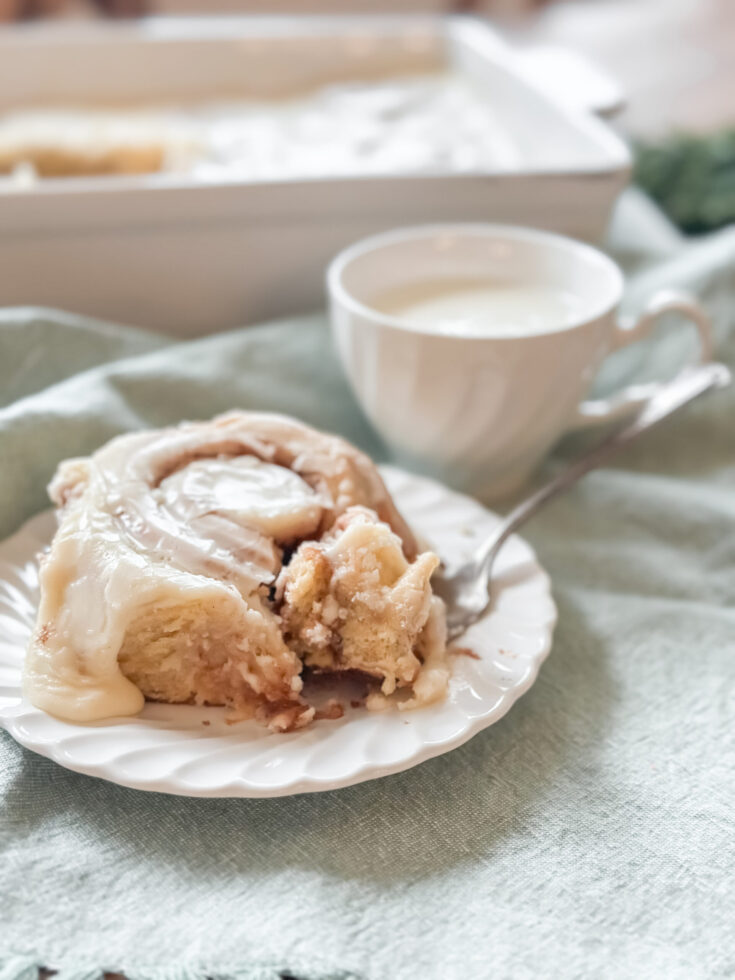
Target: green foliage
{"x": 692, "y": 178}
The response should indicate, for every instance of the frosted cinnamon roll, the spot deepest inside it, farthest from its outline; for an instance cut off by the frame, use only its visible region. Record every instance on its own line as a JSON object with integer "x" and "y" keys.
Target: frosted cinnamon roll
{"x": 89, "y": 143}
{"x": 208, "y": 563}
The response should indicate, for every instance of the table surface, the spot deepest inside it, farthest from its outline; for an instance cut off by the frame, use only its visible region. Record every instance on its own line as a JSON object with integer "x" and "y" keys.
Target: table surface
{"x": 675, "y": 59}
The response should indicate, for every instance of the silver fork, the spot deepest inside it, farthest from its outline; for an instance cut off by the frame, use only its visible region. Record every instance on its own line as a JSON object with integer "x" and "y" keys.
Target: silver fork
{"x": 465, "y": 588}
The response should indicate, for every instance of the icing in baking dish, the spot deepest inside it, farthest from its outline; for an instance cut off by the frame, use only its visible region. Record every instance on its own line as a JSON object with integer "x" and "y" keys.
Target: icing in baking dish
{"x": 414, "y": 124}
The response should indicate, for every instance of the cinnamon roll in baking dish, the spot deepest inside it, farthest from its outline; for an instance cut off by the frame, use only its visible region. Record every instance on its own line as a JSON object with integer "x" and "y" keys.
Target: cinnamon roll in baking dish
{"x": 210, "y": 562}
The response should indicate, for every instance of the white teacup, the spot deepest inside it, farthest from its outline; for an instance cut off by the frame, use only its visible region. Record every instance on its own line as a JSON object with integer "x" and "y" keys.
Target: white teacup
{"x": 481, "y": 411}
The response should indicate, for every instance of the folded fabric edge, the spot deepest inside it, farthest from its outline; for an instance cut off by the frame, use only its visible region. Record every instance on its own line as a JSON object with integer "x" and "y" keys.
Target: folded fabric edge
{"x": 68, "y": 318}
{"x": 26, "y": 967}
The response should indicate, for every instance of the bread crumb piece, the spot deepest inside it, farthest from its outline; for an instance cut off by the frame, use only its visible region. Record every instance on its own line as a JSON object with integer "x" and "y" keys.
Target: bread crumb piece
{"x": 465, "y": 652}
{"x": 331, "y": 711}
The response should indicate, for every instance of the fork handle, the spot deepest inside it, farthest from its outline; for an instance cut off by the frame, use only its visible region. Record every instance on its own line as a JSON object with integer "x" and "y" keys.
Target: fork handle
{"x": 689, "y": 384}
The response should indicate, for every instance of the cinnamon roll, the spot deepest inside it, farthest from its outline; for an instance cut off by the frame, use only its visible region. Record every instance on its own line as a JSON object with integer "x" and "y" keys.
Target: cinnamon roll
{"x": 211, "y": 562}
{"x": 89, "y": 143}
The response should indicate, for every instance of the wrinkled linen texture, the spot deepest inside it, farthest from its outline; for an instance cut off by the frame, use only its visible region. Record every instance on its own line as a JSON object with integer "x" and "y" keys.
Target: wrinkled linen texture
{"x": 590, "y": 833}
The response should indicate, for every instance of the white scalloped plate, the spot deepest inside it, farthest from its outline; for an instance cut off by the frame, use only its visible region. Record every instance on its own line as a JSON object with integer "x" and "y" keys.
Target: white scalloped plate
{"x": 191, "y": 751}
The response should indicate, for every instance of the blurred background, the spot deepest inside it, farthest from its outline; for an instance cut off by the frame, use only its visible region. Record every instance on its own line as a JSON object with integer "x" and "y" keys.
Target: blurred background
{"x": 674, "y": 61}
{"x": 659, "y": 73}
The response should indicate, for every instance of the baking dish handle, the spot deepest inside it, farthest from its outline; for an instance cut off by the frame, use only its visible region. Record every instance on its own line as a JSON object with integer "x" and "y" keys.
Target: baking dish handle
{"x": 572, "y": 79}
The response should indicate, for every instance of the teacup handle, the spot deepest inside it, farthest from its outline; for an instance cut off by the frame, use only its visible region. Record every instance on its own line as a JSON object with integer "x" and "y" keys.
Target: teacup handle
{"x": 624, "y": 402}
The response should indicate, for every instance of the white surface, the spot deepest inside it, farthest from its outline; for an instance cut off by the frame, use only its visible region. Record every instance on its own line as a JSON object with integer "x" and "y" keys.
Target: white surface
{"x": 481, "y": 412}
{"x": 189, "y": 256}
{"x": 168, "y": 749}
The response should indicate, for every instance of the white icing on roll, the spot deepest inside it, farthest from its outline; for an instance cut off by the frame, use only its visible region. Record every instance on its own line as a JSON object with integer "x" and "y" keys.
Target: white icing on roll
{"x": 246, "y": 491}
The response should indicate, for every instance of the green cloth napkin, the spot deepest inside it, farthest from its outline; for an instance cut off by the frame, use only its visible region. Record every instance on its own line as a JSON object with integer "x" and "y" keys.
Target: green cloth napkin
{"x": 588, "y": 834}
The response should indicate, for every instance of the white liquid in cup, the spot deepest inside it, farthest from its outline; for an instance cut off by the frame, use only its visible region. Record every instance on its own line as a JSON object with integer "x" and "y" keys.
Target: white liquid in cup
{"x": 481, "y": 307}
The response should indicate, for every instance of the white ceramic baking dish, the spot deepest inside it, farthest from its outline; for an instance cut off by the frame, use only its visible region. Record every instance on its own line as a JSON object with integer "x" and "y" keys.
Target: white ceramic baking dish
{"x": 189, "y": 257}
